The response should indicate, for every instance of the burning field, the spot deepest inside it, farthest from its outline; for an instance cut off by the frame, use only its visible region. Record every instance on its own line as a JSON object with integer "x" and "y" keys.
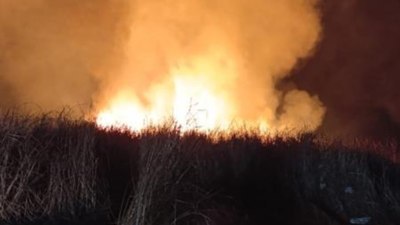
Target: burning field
{"x": 206, "y": 65}
{"x": 210, "y": 64}
{"x": 217, "y": 112}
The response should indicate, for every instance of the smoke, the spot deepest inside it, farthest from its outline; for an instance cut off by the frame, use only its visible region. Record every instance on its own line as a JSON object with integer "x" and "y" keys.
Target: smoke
{"x": 237, "y": 49}
{"x": 55, "y": 53}
{"x": 50, "y": 50}
{"x": 69, "y": 52}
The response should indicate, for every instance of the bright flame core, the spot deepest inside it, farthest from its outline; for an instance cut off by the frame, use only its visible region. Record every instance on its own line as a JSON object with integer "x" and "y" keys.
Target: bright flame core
{"x": 196, "y": 97}
{"x": 212, "y": 65}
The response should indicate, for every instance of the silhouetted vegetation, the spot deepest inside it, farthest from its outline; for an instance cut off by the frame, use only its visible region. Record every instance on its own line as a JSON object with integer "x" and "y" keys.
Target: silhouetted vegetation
{"x": 55, "y": 170}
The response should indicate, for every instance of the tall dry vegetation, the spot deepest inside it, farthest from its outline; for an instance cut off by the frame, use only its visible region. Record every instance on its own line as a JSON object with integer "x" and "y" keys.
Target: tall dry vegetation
{"x": 57, "y": 169}
{"x": 47, "y": 167}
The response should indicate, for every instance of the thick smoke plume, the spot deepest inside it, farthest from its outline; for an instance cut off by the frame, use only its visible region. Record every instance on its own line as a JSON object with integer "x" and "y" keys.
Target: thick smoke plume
{"x": 69, "y": 52}
{"x": 238, "y": 49}
{"x": 51, "y": 50}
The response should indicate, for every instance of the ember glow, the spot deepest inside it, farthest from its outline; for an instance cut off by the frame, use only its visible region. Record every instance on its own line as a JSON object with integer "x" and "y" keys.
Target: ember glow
{"x": 212, "y": 65}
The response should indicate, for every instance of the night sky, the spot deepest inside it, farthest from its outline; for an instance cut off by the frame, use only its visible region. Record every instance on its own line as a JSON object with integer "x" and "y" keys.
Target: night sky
{"x": 356, "y": 68}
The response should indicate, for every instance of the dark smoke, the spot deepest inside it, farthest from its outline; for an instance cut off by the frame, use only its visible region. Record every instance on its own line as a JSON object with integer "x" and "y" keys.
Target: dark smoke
{"x": 356, "y": 68}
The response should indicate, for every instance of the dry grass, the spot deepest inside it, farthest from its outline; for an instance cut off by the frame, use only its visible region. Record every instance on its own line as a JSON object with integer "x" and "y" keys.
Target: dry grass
{"x": 47, "y": 167}
{"x": 54, "y": 168}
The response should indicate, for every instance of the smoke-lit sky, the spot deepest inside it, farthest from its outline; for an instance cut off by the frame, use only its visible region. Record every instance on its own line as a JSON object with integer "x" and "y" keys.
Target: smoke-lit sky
{"x": 50, "y": 51}
{"x": 354, "y": 68}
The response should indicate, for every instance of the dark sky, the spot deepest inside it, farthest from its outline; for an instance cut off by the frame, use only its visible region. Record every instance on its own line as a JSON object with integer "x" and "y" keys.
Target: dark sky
{"x": 356, "y": 68}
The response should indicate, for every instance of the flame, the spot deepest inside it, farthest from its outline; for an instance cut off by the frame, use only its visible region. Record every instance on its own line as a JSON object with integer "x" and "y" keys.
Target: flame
{"x": 212, "y": 66}
{"x": 196, "y": 96}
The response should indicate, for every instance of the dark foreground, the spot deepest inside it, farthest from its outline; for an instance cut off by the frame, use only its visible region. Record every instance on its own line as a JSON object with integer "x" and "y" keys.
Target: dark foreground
{"x": 58, "y": 171}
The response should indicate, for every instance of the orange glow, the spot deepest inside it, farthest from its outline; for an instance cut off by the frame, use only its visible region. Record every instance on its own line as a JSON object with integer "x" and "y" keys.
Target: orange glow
{"x": 211, "y": 66}
{"x": 195, "y": 97}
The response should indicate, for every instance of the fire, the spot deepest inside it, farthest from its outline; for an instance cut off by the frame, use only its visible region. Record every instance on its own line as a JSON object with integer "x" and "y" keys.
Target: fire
{"x": 196, "y": 96}
{"x": 211, "y": 66}
{"x": 197, "y": 107}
